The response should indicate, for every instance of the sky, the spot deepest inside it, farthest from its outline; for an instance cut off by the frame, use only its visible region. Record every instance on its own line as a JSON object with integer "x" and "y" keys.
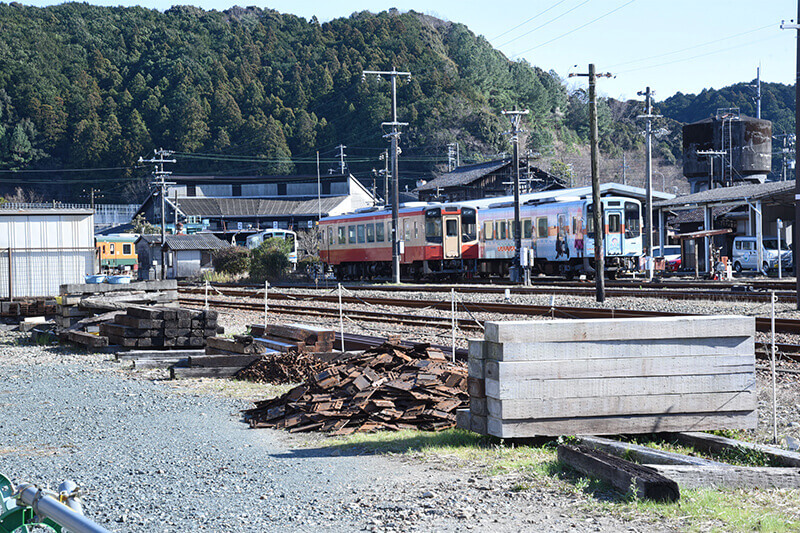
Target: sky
{"x": 669, "y": 45}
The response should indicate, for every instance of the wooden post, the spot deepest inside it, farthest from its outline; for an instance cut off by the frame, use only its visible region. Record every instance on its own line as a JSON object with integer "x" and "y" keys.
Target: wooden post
{"x": 341, "y": 317}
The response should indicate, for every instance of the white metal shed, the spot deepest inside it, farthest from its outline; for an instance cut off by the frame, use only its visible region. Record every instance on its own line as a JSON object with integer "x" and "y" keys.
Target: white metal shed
{"x": 41, "y": 249}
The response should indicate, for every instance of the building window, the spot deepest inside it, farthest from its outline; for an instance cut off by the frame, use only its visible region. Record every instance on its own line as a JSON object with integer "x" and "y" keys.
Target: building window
{"x": 281, "y": 189}
{"x": 237, "y": 190}
{"x": 191, "y": 190}
{"x": 326, "y": 188}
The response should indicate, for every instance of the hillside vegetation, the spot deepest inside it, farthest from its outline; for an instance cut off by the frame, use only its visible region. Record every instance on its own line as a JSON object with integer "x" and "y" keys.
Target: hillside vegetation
{"x": 252, "y": 91}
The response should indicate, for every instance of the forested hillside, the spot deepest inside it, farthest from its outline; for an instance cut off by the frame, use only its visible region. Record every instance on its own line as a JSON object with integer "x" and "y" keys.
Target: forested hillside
{"x": 253, "y": 91}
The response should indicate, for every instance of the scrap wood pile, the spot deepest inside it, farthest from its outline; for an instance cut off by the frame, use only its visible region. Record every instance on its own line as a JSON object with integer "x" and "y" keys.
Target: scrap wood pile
{"x": 389, "y": 387}
{"x": 294, "y": 337}
{"x": 282, "y": 367}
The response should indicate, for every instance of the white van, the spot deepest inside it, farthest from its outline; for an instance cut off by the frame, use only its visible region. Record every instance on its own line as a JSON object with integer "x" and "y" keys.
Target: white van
{"x": 745, "y": 253}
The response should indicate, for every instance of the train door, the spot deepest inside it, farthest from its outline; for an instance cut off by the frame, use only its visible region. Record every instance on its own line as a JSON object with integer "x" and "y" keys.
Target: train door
{"x": 452, "y": 236}
{"x": 615, "y": 231}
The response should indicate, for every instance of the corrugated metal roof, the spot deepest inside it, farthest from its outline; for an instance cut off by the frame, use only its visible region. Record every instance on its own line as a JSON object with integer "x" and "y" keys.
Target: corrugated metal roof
{"x": 197, "y": 241}
{"x": 463, "y": 175}
{"x": 744, "y": 192}
{"x": 256, "y": 207}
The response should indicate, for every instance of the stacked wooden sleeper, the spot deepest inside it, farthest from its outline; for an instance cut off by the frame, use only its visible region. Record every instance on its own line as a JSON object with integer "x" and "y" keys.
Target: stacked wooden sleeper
{"x": 162, "y": 327}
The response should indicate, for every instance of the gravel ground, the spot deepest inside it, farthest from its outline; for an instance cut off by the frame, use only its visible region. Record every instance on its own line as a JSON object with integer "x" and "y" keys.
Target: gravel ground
{"x": 154, "y": 456}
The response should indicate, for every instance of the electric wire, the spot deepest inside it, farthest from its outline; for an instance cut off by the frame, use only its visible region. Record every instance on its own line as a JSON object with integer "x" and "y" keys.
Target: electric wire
{"x": 543, "y": 25}
{"x": 527, "y": 21}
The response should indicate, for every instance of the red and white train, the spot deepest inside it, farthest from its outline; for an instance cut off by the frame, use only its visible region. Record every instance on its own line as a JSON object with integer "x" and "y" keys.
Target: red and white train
{"x": 453, "y": 240}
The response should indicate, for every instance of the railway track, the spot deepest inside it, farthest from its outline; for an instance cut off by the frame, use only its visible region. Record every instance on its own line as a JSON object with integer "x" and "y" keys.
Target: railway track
{"x": 782, "y": 325}
{"x": 714, "y": 291}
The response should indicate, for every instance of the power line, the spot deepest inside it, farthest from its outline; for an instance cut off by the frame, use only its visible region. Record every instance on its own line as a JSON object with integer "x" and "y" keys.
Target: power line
{"x": 540, "y": 13}
{"x": 60, "y": 170}
{"x": 693, "y": 46}
{"x": 576, "y": 29}
{"x": 543, "y": 25}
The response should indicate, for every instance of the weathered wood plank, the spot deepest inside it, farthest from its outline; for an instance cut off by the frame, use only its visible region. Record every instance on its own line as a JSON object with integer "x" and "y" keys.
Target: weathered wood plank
{"x": 476, "y": 368}
{"x": 477, "y": 348}
{"x": 177, "y": 372}
{"x": 618, "y": 367}
{"x": 157, "y": 354}
{"x": 162, "y": 362}
{"x": 613, "y": 405}
{"x": 615, "y": 425}
{"x": 616, "y": 329}
{"x": 623, "y": 475}
{"x": 478, "y": 406}
{"x": 223, "y": 360}
{"x": 643, "y": 454}
{"x": 463, "y": 419}
{"x": 614, "y": 349}
{"x": 731, "y": 477}
{"x": 635, "y": 386}
{"x": 713, "y": 443}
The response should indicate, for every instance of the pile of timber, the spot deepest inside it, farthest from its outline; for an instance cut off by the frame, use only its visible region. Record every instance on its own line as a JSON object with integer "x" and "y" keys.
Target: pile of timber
{"x": 612, "y": 376}
{"x": 28, "y": 307}
{"x": 81, "y": 301}
{"x": 390, "y": 387}
{"x": 160, "y": 327}
{"x": 291, "y": 337}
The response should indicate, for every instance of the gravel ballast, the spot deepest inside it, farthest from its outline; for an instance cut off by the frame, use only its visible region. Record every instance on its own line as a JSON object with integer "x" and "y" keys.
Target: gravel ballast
{"x": 155, "y": 458}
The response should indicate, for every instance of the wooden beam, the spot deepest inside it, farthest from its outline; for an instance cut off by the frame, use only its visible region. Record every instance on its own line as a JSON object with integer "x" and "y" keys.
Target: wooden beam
{"x": 714, "y": 443}
{"x": 731, "y": 477}
{"x": 643, "y": 454}
{"x": 623, "y": 475}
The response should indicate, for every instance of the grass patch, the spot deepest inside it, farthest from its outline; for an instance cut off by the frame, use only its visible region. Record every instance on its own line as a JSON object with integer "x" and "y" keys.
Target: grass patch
{"x": 536, "y": 467}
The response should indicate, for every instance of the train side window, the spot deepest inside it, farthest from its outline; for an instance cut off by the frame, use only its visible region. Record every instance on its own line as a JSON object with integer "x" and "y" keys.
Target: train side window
{"x": 527, "y": 228}
{"x": 632, "y": 221}
{"x": 574, "y": 225}
{"x": 330, "y": 236}
{"x": 126, "y": 249}
{"x": 351, "y": 234}
{"x": 488, "y": 230}
{"x": 379, "y": 232}
{"x": 510, "y": 227}
{"x": 342, "y": 235}
{"x": 370, "y": 232}
{"x": 360, "y": 233}
{"x": 541, "y": 227}
{"x": 416, "y": 230}
{"x": 501, "y": 229}
{"x": 406, "y": 230}
{"x": 589, "y": 226}
{"x": 111, "y": 248}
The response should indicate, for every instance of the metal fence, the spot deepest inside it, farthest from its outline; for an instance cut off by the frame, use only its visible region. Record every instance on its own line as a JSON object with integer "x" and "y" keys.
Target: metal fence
{"x": 34, "y": 272}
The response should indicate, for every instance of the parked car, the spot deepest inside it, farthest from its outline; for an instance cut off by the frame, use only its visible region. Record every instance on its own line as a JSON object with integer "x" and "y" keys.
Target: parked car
{"x": 745, "y": 253}
{"x": 672, "y": 257}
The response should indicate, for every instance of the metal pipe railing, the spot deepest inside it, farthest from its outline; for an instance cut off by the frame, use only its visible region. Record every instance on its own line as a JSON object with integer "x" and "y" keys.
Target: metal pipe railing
{"x": 46, "y": 505}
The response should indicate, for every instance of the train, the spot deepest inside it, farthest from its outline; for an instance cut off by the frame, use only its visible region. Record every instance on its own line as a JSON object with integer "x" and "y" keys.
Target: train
{"x": 461, "y": 241}
{"x": 117, "y": 253}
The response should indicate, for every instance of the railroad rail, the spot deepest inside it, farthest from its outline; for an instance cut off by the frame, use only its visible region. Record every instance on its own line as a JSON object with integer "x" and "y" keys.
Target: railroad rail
{"x": 782, "y": 325}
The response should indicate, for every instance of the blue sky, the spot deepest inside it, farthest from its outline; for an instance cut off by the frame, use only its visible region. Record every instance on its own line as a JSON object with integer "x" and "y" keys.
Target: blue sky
{"x": 670, "y": 45}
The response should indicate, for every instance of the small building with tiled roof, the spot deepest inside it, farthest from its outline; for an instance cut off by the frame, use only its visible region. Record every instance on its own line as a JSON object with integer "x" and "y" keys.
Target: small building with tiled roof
{"x": 485, "y": 180}
{"x": 185, "y": 255}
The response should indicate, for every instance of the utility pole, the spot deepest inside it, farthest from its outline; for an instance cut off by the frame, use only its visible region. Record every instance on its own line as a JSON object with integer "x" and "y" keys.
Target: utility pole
{"x": 796, "y": 230}
{"x": 758, "y": 92}
{"x": 319, "y": 192}
{"x": 516, "y": 268}
{"x": 649, "y": 177}
{"x": 394, "y": 137}
{"x": 624, "y": 169}
{"x": 597, "y": 211}
{"x": 342, "y": 166}
{"x": 159, "y": 177}
{"x": 452, "y": 157}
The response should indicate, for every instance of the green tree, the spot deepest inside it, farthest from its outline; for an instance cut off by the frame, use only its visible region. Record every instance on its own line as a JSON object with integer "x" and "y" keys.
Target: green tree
{"x": 270, "y": 261}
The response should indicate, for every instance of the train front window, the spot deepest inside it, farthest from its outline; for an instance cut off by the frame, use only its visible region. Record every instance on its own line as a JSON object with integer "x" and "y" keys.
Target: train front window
{"x": 452, "y": 227}
{"x": 469, "y": 225}
{"x": 632, "y": 225}
{"x": 433, "y": 230}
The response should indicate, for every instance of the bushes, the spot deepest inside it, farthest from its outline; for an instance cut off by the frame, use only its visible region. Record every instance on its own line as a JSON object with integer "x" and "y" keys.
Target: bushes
{"x": 233, "y": 260}
{"x": 270, "y": 261}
